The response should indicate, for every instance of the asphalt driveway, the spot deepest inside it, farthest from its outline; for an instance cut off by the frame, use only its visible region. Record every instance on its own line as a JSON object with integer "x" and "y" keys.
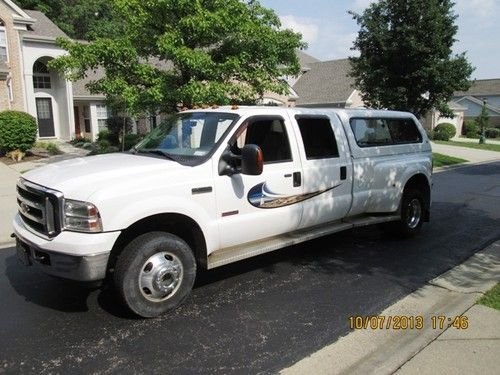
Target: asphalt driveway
{"x": 256, "y": 316}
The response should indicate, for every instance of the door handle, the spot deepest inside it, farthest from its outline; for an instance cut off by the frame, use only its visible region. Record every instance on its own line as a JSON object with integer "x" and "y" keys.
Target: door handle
{"x": 297, "y": 179}
{"x": 343, "y": 172}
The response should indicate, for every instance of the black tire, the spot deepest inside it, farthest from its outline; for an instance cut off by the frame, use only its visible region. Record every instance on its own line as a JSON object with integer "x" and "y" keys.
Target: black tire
{"x": 404, "y": 227}
{"x": 155, "y": 273}
{"x": 412, "y": 213}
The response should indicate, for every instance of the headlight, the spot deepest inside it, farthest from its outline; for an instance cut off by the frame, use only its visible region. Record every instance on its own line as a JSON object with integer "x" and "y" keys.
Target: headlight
{"x": 81, "y": 217}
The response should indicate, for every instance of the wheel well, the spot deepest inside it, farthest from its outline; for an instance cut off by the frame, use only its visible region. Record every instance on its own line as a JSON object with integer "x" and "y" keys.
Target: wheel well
{"x": 421, "y": 183}
{"x": 177, "y": 224}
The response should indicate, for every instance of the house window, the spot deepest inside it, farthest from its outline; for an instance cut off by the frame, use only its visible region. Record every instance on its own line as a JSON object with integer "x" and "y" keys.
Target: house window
{"x": 102, "y": 116}
{"x": 3, "y": 43}
{"x": 41, "y": 76}
{"x": 86, "y": 118}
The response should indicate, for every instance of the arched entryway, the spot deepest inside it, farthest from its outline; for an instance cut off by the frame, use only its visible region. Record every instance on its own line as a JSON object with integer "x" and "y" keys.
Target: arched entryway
{"x": 51, "y": 100}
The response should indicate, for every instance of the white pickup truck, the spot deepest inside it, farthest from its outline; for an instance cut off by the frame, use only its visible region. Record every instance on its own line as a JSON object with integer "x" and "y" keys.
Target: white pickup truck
{"x": 211, "y": 187}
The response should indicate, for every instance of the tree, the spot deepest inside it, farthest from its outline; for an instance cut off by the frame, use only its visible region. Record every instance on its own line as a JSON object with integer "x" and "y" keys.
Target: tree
{"x": 188, "y": 52}
{"x": 80, "y": 19}
{"x": 406, "y": 60}
{"x": 483, "y": 122}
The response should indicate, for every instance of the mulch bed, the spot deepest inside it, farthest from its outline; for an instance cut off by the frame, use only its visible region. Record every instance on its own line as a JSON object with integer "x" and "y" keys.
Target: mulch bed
{"x": 9, "y": 161}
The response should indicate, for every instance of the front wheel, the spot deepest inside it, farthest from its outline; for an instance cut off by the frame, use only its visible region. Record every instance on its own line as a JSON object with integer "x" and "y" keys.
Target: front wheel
{"x": 155, "y": 273}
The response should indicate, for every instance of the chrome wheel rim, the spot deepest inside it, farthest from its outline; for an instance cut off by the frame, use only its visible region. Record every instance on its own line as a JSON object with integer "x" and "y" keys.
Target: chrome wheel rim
{"x": 414, "y": 213}
{"x": 160, "y": 276}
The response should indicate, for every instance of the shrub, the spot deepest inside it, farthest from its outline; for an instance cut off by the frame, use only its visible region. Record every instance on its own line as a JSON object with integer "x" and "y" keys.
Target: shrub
{"x": 471, "y": 129}
{"x": 444, "y": 131}
{"x": 131, "y": 140}
{"x": 492, "y": 133}
{"x": 51, "y": 147}
{"x": 104, "y": 135}
{"x": 115, "y": 127}
{"x": 430, "y": 134}
{"x": 79, "y": 141}
{"x": 102, "y": 147}
{"x": 17, "y": 131}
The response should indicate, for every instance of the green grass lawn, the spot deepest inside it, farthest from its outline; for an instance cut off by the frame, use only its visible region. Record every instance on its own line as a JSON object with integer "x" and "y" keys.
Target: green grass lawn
{"x": 441, "y": 160}
{"x": 486, "y": 146}
{"x": 491, "y": 298}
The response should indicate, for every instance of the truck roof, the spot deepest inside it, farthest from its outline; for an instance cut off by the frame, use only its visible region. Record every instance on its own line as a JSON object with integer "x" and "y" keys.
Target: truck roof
{"x": 347, "y": 112}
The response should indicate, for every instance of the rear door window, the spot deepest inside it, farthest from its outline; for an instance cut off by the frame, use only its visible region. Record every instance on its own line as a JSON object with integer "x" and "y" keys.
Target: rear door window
{"x": 318, "y": 137}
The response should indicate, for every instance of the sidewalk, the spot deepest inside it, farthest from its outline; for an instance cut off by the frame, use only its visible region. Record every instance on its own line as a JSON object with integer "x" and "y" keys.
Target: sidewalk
{"x": 431, "y": 350}
{"x": 475, "y": 140}
{"x": 471, "y": 154}
{"x": 8, "y": 202}
{"x": 8, "y": 179}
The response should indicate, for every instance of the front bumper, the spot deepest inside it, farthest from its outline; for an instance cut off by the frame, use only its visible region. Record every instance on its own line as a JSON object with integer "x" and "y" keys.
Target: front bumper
{"x": 70, "y": 255}
{"x": 79, "y": 268}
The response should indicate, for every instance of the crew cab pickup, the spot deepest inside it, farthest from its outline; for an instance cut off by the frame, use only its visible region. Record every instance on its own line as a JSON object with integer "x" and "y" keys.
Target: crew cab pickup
{"x": 214, "y": 186}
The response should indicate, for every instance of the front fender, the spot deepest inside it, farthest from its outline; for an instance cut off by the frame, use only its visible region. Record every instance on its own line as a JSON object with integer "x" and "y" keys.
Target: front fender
{"x": 125, "y": 215}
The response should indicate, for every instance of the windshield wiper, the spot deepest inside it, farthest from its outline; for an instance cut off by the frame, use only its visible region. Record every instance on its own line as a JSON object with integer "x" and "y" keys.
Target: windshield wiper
{"x": 155, "y": 152}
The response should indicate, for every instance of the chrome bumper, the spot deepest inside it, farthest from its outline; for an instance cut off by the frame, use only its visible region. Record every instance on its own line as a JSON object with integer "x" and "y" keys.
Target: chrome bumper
{"x": 73, "y": 267}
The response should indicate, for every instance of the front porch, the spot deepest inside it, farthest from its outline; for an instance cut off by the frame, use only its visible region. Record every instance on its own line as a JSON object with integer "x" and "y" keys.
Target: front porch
{"x": 90, "y": 118}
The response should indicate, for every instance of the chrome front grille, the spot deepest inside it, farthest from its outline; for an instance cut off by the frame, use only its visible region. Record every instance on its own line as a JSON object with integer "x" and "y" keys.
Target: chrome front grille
{"x": 40, "y": 208}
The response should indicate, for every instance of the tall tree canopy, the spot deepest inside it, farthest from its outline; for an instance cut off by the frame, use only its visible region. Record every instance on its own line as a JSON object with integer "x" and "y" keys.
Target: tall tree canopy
{"x": 187, "y": 52}
{"x": 80, "y": 19}
{"x": 406, "y": 60}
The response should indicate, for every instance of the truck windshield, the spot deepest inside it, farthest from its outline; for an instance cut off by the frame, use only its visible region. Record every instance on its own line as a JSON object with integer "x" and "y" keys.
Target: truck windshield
{"x": 187, "y": 137}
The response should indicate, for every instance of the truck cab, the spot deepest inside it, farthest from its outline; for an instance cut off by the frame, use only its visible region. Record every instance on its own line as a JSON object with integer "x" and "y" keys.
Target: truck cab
{"x": 214, "y": 186}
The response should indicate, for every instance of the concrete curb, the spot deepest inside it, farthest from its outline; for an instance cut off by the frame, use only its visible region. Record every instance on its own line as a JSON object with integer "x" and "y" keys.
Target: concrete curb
{"x": 6, "y": 245}
{"x": 463, "y": 165}
{"x": 384, "y": 351}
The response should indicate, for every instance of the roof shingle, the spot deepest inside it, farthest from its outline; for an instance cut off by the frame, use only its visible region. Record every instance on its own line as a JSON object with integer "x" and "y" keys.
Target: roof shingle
{"x": 43, "y": 27}
{"x": 326, "y": 82}
{"x": 482, "y": 87}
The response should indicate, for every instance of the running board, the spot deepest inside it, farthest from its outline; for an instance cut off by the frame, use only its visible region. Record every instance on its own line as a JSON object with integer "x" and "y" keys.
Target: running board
{"x": 248, "y": 250}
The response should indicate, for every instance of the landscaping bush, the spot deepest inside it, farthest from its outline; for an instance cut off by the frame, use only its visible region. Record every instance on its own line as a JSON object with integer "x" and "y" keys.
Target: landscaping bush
{"x": 444, "y": 131}
{"x": 492, "y": 133}
{"x": 430, "y": 134}
{"x": 17, "y": 131}
{"x": 131, "y": 140}
{"x": 471, "y": 129}
{"x": 79, "y": 141}
{"x": 105, "y": 135}
{"x": 115, "y": 127}
{"x": 51, "y": 147}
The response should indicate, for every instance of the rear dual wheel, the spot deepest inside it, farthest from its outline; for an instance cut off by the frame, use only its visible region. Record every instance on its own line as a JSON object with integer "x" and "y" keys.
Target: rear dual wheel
{"x": 412, "y": 215}
{"x": 155, "y": 273}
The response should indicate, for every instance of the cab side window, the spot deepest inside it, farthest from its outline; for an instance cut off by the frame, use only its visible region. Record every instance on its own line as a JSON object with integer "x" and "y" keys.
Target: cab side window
{"x": 318, "y": 137}
{"x": 269, "y": 133}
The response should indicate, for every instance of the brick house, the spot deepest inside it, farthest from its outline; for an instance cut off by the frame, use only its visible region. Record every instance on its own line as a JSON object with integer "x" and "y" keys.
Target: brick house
{"x": 63, "y": 109}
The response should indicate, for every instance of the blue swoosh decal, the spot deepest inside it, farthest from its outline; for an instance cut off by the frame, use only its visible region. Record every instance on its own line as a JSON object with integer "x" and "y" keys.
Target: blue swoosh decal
{"x": 261, "y": 197}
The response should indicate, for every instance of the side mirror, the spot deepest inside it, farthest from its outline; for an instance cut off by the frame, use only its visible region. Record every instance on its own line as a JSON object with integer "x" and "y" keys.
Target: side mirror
{"x": 252, "y": 160}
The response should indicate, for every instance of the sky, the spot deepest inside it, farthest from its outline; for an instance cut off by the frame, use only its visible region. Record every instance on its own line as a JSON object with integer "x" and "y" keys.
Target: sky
{"x": 330, "y": 30}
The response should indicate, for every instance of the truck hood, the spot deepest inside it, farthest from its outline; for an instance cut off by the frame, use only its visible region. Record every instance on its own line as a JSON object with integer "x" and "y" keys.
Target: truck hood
{"x": 79, "y": 178}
